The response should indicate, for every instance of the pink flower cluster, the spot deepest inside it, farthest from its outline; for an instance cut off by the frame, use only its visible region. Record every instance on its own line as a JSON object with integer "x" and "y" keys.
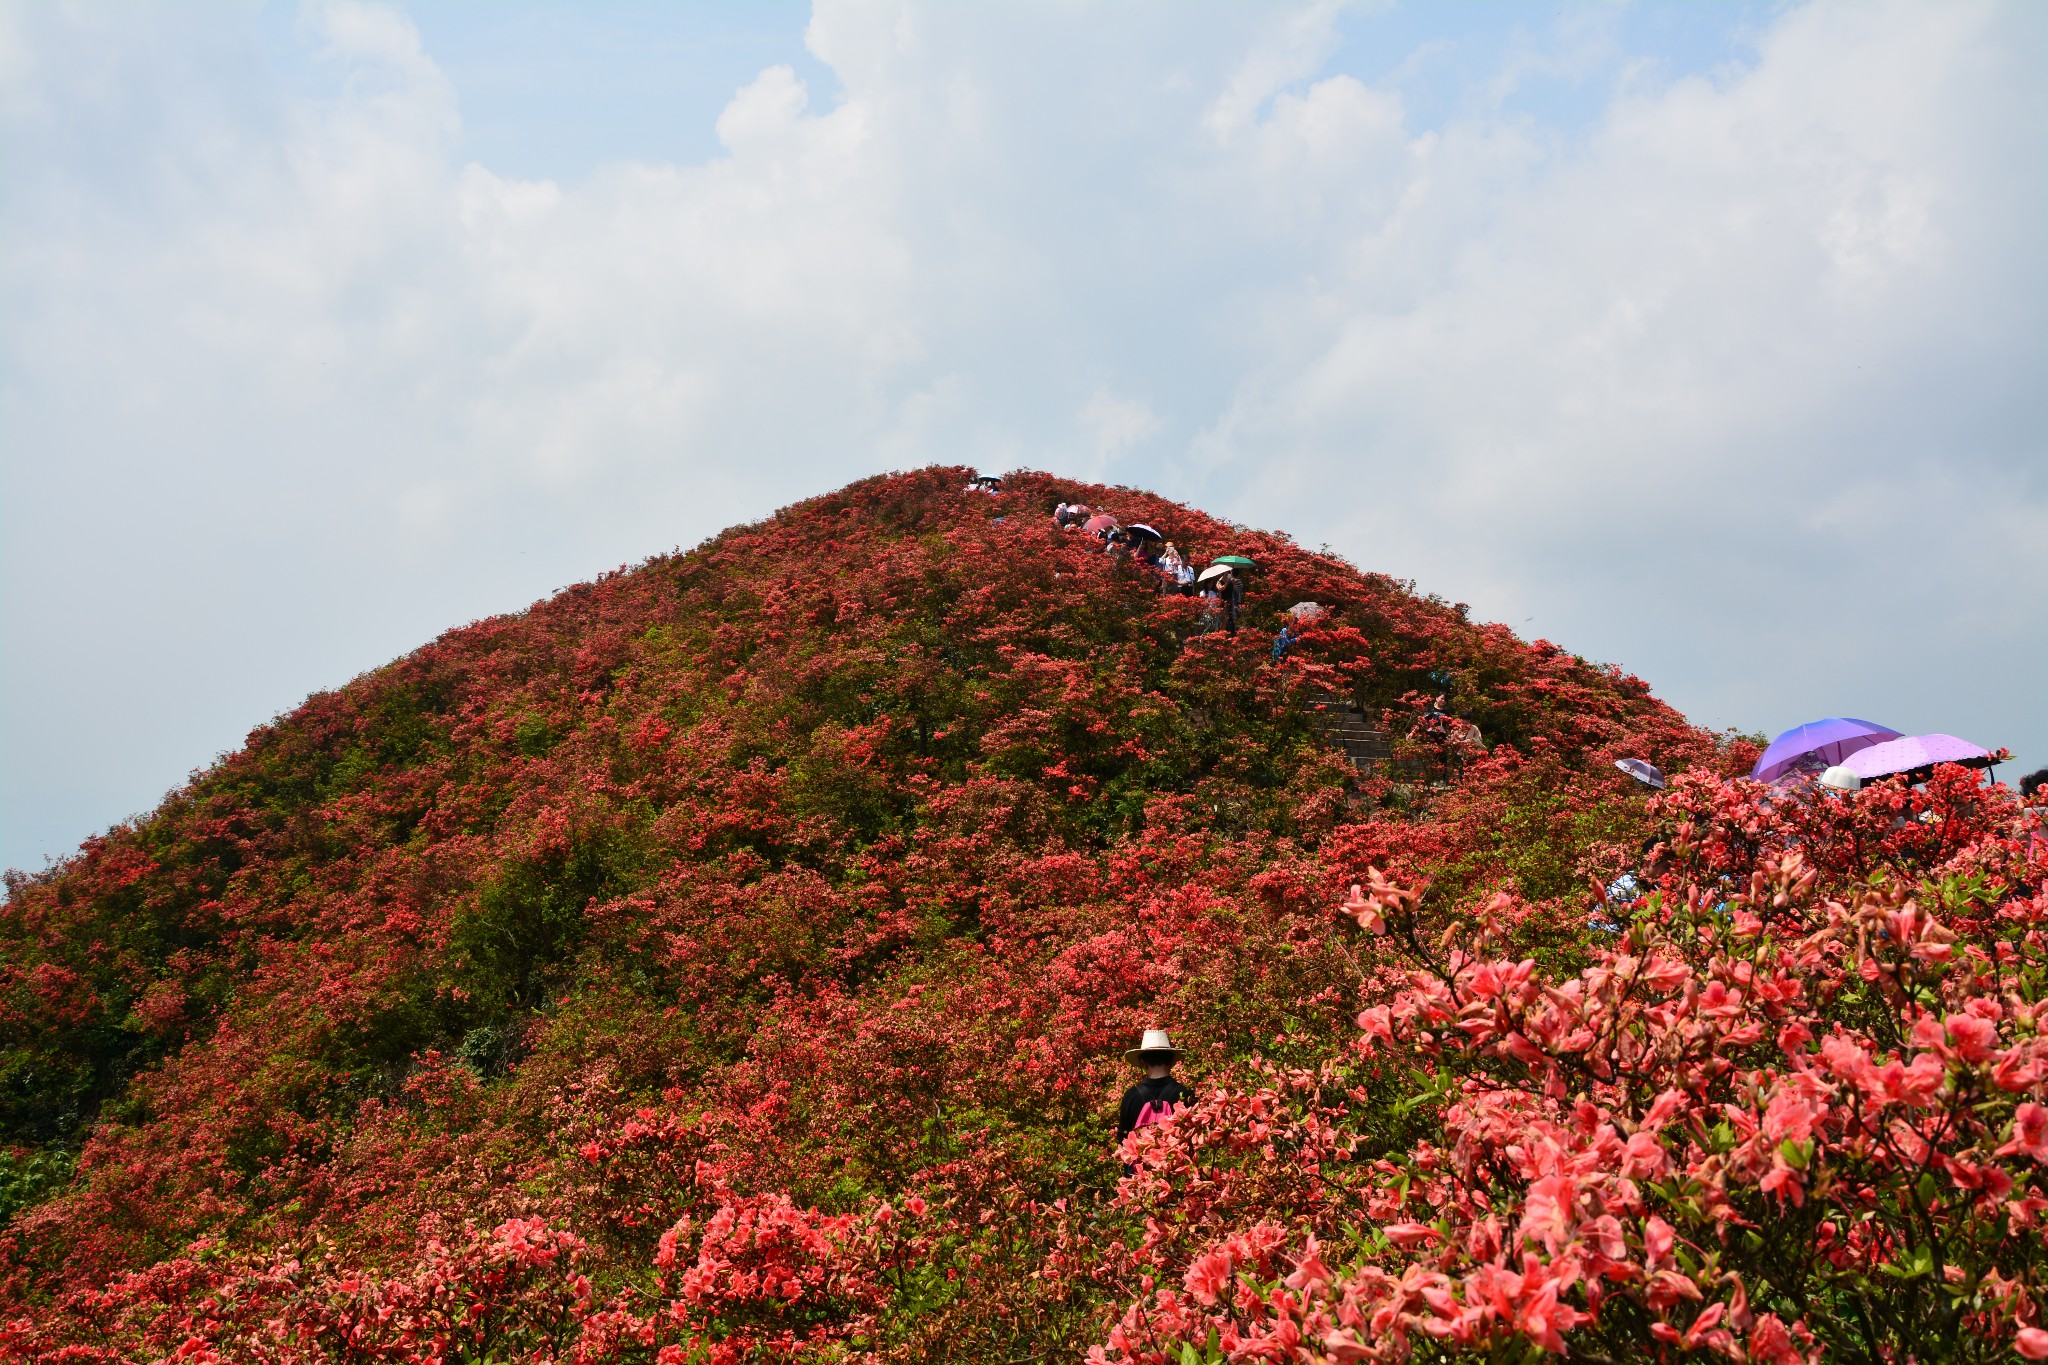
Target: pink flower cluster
{"x": 1771, "y": 1120}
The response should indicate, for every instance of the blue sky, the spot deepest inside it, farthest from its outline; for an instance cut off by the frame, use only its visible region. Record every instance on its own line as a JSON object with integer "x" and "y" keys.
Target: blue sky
{"x": 1704, "y": 339}
{"x": 551, "y": 90}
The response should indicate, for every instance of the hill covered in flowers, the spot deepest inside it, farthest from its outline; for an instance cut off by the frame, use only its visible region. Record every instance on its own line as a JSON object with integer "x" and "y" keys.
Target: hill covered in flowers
{"x": 732, "y": 959}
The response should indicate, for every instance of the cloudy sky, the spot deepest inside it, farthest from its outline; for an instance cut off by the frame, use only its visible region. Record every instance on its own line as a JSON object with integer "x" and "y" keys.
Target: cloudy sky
{"x": 1711, "y": 340}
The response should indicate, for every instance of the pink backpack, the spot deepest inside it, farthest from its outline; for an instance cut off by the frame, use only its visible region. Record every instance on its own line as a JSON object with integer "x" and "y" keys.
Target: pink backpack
{"x": 1153, "y": 1112}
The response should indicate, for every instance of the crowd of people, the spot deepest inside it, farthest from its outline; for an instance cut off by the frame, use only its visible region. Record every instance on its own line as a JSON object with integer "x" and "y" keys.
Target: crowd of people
{"x": 1221, "y": 590}
{"x": 1220, "y": 586}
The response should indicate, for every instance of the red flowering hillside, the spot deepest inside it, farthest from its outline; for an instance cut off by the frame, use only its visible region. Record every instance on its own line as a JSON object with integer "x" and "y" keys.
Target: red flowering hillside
{"x": 732, "y": 960}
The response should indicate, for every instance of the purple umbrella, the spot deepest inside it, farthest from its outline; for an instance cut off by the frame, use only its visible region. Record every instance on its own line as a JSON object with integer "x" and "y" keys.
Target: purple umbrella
{"x": 1818, "y": 744}
{"x": 1916, "y": 751}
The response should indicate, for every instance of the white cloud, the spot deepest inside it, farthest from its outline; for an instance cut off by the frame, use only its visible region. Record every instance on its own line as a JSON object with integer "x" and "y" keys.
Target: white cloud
{"x": 1294, "y": 49}
{"x": 1115, "y": 424}
{"x": 1698, "y": 381}
{"x": 1725, "y": 386}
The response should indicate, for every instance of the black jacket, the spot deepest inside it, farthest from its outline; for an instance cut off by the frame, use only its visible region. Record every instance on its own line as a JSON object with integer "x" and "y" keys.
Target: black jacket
{"x": 1165, "y": 1090}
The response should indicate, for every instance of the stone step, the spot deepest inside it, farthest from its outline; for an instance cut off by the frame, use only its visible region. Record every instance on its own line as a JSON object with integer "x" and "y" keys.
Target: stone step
{"x": 1342, "y": 726}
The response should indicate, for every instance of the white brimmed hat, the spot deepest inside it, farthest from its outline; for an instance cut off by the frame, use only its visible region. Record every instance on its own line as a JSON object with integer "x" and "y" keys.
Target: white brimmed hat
{"x": 1157, "y": 1047}
{"x": 1841, "y": 779}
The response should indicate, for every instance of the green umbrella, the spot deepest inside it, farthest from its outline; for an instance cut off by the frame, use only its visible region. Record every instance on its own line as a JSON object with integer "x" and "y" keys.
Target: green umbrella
{"x": 1234, "y": 561}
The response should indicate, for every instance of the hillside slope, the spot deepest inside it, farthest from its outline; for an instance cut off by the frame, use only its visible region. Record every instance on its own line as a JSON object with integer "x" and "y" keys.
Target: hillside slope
{"x": 733, "y": 958}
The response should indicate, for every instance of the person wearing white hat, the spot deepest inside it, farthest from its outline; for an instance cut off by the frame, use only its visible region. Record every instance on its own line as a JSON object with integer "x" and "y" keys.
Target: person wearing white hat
{"x": 1154, "y": 1099}
{"x": 1841, "y": 779}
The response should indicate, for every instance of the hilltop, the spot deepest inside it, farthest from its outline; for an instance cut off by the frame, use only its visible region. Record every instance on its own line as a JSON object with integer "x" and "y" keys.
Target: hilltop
{"x": 733, "y": 958}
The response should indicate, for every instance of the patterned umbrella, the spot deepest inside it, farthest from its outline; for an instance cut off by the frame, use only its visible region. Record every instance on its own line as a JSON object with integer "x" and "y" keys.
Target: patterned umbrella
{"x": 1915, "y": 751}
{"x": 1644, "y": 772}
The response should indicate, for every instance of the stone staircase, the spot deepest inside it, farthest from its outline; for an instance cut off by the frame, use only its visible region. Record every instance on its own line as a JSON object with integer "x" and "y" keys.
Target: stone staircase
{"x": 1342, "y": 725}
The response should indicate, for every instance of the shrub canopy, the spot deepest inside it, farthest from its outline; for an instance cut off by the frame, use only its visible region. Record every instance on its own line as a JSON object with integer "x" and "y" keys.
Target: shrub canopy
{"x": 732, "y": 959}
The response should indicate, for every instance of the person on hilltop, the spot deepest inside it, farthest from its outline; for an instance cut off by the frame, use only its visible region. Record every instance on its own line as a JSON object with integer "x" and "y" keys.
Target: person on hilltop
{"x": 1179, "y": 574}
{"x": 2034, "y": 787}
{"x": 1154, "y": 1099}
{"x": 1435, "y": 725}
{"x": 1214, "y": 604}
{"x": 1619, "y": 896}
{"x": 1221, "y": 595}
{"x": 1453, "y": 736}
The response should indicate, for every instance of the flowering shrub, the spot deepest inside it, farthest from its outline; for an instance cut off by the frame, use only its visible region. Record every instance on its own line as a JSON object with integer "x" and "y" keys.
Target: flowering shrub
{"x": 772, "y": 1275}
{"x": 1784, "y": 1116}
{"x": 732, "y": 959}
{"x": 511, "y": 1292}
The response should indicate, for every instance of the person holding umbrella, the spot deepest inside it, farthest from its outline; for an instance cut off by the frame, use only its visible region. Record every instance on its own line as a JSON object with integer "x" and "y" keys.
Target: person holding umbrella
{"x": 1233, "y": 595}
{"x": 1226, "y": 573}
{"x": 1100, "y": 525}
{"x": 1145, "y": 544}
{"x": 1214, "y": 584}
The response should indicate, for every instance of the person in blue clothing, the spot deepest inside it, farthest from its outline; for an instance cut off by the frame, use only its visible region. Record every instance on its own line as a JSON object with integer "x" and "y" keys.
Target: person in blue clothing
{"x": 1625, "y": 892}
